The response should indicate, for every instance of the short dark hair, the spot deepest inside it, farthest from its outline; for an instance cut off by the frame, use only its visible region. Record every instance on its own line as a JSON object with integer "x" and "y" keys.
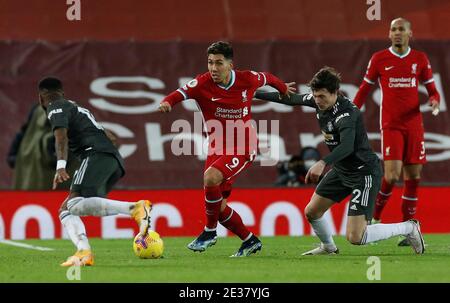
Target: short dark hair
{"x": 221, "y": 48}
{"x": 407, "y": 22}
{"x": 50, "y": 84}
{"x": 328, "y": 78}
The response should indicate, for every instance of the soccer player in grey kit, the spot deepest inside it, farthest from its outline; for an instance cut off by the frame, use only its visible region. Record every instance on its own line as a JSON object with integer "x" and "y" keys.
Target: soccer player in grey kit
{"x": 355, "y": 171}
{"x": 101, "y": 167}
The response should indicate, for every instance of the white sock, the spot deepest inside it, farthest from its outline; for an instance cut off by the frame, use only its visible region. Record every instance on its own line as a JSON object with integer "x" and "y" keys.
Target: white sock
{"x": 75, "y": 229}
{"x": 323, "y": 231}
{"x": 378, "y": 232}
{"x": 95, "y": 206}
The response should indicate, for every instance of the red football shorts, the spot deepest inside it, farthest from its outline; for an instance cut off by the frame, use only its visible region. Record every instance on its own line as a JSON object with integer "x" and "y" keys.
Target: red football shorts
{"x": 230, "y": 166}
{"x": 407, "y": 146}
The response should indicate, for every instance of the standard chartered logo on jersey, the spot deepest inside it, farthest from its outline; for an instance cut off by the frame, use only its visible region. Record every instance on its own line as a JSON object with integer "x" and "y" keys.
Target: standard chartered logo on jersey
{"x": 186, "y": 137}
{"x": 402, "y": 82}
{"x": 229, "y": 137}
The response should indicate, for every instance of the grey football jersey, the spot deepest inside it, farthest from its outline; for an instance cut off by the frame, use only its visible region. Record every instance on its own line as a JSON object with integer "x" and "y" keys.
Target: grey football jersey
{"x": 84, "y": 132}
{"x": 343, "y": 129}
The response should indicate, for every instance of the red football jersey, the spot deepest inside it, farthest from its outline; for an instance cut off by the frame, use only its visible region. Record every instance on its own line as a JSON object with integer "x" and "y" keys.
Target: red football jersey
{"x": 399, "y": 78}
{"x": 226, "y": 105}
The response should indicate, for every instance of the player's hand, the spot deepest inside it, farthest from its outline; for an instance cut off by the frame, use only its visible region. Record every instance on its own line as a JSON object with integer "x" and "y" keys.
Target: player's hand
{"x": 315, "y": 172}
{"x": 290, "y": 89}
{"x": 60, "y": 177}
{"x": 165, "y": 107}
{"x": 434, "y": 107}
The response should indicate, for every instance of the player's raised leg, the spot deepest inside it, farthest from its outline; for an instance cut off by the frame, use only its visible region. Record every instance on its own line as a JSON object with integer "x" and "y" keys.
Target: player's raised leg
{"x": 97, "y": 174}
{"x": 101, "y": 207}
{"x": 96, "y": 206}
{"x": 93, "y": 181}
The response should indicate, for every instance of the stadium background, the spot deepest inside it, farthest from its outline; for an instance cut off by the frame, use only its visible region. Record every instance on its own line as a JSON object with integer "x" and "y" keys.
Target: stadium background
{"x": 122, "y": 57}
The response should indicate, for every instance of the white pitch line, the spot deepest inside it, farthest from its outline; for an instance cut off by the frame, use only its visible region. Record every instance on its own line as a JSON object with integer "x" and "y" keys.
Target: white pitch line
{"x": 23, "y": 245}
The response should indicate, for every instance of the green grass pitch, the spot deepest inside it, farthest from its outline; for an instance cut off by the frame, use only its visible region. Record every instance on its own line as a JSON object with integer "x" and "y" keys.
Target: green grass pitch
{"x": 279, "y": 261}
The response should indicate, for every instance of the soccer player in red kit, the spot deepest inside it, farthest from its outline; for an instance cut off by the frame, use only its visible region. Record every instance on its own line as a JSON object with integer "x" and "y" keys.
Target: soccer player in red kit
{"x": 398, "y": 71}
{"x": 224, "y": 96}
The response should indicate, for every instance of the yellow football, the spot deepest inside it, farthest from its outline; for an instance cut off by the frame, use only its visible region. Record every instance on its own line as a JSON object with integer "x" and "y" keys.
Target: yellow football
{"x": 150, "y": 246}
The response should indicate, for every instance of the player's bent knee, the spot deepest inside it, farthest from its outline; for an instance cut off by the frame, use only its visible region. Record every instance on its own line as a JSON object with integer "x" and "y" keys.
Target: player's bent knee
{"x": 212, "y": 177}
{"x": 72, "y": 203}
{"x": 62, "y": 208}
{"x": 354, "y": 238}
{"x": 392, "y": 178}
{"x": 211, "y": 181}
{"x": 312, "y": 214}
{"x": 414, "y": 176}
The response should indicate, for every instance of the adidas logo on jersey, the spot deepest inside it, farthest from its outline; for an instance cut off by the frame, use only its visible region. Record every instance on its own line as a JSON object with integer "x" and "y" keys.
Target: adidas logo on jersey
{"x": 353, "y": 207}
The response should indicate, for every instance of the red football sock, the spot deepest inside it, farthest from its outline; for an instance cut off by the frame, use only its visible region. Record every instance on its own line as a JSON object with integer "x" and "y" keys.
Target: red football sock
{"x": 233, "y": 222}
{"x": 409, "y": 199}
{"x": 213, "y": 201}
{"x": 382, "y": 198}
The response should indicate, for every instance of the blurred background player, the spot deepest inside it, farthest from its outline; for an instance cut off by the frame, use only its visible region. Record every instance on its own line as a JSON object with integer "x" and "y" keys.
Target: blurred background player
{"x": 224, "y": 95}
{"x": 101, "y": 167}
{"x": 32, "y": 154}
{"x": 292, "y": 173}
{"x": 356, "y": 169}
{"x": 398, "y": 70}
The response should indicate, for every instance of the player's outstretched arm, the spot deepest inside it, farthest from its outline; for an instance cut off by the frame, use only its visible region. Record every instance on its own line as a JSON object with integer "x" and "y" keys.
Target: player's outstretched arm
{"x": 275, "y": 82}
{"x": 290, "y": 88}
{"x": 62, "y": 148}
{"x": 292, "y": 99}
{"x": 169, "y": 101}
